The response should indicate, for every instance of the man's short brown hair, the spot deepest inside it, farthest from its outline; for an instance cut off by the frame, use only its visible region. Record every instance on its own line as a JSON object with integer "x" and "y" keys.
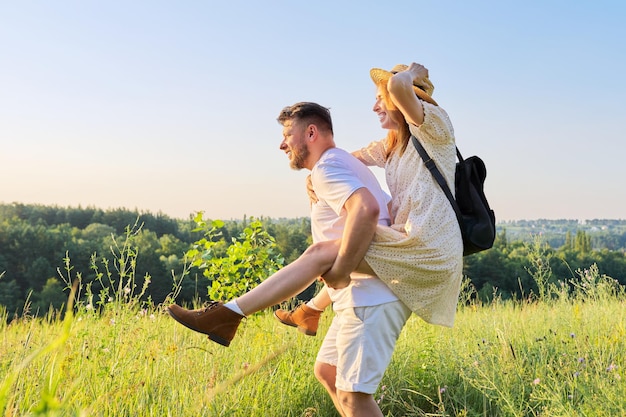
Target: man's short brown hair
{"x": 309, "y": 113}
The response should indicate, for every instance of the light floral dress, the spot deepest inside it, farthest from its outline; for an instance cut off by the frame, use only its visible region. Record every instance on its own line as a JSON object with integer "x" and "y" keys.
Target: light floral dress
{"x": 420, "y": 257}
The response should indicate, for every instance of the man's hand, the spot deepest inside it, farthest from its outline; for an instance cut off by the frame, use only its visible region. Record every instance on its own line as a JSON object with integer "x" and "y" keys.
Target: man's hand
{"x": 310, "y": 191}
{"x": 336, "y": 281}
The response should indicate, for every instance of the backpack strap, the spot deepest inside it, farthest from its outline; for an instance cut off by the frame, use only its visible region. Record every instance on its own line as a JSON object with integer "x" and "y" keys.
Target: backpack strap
{"x": 430, "y": 164}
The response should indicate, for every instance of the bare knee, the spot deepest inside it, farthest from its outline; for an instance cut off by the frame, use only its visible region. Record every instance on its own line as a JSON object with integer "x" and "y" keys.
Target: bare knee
{"x": 324, "y": 252}
{"x": 326, "y": 374}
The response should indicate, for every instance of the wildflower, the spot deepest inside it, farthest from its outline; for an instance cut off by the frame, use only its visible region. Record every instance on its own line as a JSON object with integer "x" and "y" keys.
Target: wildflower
{"x": 126, "y": 290}
{"x": 89, "y": 307}
{"x": 611, "y": 367}
{"x": 536, "y": 381}
{"x": 245, "y": 365}
{"x": 572, "y": 335}
{"x": 443, "y": 389}
{"x": 581, "y": 360}
{"x": 576, "y": 374}
{"x": 382, "y": 394}
{"x": 152, "y": 317}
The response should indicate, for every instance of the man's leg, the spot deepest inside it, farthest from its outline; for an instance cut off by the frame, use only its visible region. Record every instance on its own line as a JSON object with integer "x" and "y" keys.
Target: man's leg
{"x": 325, "y": 364}
{"x": 326, "y": 374}
{"x": 366, "y": 338}
{"x": 358, "y": 404}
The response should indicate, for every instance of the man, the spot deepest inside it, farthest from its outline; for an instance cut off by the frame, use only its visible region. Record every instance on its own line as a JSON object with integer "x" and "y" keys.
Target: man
{"x": 369, "y": 317}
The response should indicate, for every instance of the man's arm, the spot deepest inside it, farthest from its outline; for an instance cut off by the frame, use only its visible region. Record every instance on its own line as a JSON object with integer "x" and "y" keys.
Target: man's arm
{"x": 361, "y": 220}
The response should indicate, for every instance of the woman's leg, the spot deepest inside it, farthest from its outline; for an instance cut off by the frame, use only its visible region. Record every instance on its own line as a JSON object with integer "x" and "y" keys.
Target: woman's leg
{"x": 306, "y": 317}
{"x": 290, "y": 280}
{"x": 321, "y": 300}
{"x": 220, "y": 321}
{"x": 295, "y": 278}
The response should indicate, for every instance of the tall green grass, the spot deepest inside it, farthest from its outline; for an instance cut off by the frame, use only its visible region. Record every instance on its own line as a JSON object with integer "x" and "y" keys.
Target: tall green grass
{"x": 561, "y": 352}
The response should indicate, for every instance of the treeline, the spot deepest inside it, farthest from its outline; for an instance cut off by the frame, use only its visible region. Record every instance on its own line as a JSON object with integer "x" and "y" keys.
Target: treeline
{"x": 39, "y": 243}
{"x": 511, "y": 267}
{"x": 604, "y": 233}
{"x": 42, "y": 248}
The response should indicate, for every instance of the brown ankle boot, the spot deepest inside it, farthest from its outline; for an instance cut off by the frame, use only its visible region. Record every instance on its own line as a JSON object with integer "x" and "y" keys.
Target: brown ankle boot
{"x": 305, "y": 318}
{"x": 218, "y": 322}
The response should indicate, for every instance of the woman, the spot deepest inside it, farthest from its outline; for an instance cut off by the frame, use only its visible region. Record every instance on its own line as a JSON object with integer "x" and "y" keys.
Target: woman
{"x": 419, "y": 257}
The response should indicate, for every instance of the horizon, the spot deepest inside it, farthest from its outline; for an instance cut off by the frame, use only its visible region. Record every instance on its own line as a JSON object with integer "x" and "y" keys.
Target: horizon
{"x": 248, "y": 216}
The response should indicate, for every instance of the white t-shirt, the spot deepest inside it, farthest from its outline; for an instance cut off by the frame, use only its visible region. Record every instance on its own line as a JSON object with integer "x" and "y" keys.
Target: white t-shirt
{"x": 335, "y": 177}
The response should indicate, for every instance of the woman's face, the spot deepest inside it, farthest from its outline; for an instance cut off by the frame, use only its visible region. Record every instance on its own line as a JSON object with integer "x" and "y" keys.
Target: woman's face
{"x": 380, "y": 108}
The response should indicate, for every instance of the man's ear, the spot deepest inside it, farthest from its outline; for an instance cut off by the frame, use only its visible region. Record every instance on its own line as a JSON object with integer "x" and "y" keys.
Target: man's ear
{"x": 311, "y": 132}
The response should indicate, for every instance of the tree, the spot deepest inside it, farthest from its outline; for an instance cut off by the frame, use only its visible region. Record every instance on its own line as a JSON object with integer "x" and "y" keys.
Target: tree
{"x": 11, "y": 296}
{"x": 248, "y": 259}
{"x": 37, "y": 272}
{"x": 51, "y": 295}
{"x": 582, "y": 242}
{"x": 568, "y": 240}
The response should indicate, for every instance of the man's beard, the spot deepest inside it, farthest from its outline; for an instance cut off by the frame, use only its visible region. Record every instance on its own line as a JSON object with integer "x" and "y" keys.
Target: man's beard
{"x": 299, "y": 156}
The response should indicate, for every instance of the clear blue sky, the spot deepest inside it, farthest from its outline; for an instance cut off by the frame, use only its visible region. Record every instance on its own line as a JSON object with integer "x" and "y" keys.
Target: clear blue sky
{"x": 171, "y": 106}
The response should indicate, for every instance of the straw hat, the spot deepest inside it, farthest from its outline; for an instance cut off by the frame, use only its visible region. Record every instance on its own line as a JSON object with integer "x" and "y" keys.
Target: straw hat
{"x": 423, "y": 87}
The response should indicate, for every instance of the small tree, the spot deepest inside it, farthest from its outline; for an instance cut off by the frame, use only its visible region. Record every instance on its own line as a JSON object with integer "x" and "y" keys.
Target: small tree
{"x": 235, "y": 268}
{"x": 51, "y": 295}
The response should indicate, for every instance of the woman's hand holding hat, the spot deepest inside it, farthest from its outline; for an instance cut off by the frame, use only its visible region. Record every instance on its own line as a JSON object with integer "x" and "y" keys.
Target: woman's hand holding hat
{"x": 419, "y": 73}
{"x": 418, "y": 76}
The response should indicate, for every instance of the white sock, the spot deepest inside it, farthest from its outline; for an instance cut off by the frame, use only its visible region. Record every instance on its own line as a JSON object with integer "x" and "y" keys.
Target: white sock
{"x": 311, "y": 304}
{"x": 232, "y": 304}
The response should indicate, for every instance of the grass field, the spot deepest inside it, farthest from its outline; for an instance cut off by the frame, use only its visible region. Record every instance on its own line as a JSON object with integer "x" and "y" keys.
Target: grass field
{"x": 563, "y": 355}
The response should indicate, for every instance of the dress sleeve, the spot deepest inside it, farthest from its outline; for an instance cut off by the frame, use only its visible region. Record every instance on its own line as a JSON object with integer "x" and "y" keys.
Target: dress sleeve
{"x": 436, "y": 128}
{"x": 373, "y": 154}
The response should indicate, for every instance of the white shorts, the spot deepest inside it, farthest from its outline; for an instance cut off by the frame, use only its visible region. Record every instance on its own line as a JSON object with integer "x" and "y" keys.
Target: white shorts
{"x": 360, "y": 342}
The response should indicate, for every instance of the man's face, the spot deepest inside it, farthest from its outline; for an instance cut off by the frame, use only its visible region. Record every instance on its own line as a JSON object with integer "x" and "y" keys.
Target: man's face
{"x": 294, "y": 144}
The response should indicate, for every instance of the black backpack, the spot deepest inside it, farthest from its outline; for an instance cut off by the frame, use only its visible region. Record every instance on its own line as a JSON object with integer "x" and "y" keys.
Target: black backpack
{"x": 476, "y": 219}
